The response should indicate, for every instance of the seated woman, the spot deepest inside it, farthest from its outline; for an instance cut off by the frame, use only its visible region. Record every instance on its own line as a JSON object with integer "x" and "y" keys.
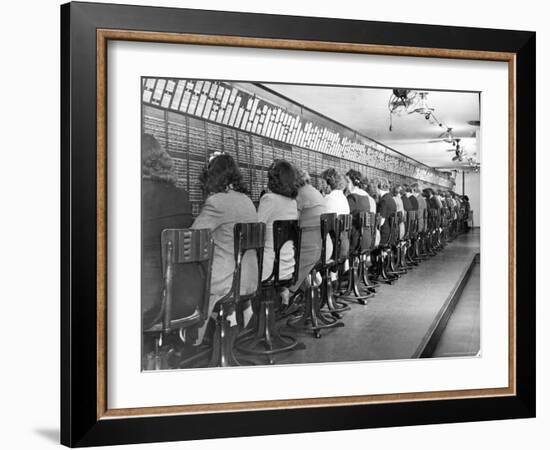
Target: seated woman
{"x": 386, "y": 207}
{"x": 359, "y": 202}
{"x": 311, "y": 205}
{"x": 421, "y": 201}
{"x": 226, "y": 204}
{"x": 466, "y": 208}
{"x": 412, "y": 202}
{"x": 407, "y": 200}
{"x": 396, "y": 192}
{"x": 163, "y": 205}
{"x": 372, "y": 190}
{"x": 278, "y": 204}
{"x": 336, "y": 202}
{"x": 431, "y": 199}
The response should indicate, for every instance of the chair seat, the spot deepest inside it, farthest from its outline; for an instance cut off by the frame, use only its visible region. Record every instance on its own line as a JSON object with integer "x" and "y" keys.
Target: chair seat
{"x": 187, "y": 321}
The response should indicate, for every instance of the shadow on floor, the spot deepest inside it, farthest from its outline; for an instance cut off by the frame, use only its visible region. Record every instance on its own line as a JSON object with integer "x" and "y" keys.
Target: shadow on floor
{"x": 50, "y": 434}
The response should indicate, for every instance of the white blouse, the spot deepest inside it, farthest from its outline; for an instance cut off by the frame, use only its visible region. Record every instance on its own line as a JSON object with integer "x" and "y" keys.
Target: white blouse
{"x": 336, "y": 202}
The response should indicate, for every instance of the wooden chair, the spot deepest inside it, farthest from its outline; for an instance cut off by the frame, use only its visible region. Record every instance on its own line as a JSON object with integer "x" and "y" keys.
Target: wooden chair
{"x": 445, "y": 213}
{"x": 383, "y": 255}
{"x": 352, "y": 291}
{"x": 414, "y": 236}
{"x": 312, "y": 318}
{"x": 425, "y": 236}
{"x": 265, "y": 339}
{"x": 247, "y": 237}
{"x": 410, "y": 235}
{"x": 181, "y": 310}
{"x": 339, "y": 232}
{"x": 369, "y": 223}
{"x": 344, "y": 225}
{"x": 435, "y": 229}
{"x": 396, "y": 267}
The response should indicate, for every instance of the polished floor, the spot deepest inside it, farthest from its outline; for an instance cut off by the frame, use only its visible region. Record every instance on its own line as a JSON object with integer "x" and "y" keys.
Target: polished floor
{"x": 461, "y": 336}
{"x": 396, "y": 320}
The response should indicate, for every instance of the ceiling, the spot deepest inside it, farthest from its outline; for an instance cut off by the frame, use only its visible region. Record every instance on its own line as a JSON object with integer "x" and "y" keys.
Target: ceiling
{"x": 366, "y": 111}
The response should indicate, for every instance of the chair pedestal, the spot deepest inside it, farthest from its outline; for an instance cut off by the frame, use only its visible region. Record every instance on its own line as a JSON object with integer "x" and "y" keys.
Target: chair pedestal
{"x": 329, "y": 298}
{"x": 421, "y": 250}
{"x": 264, "y": 339}
{"x": 394, "y": 256}
{"x": 222, "y": 344}
{"x": 220, "y": 352}
{"x": 381, "y": 263}
{"x": 407, "y": 262}
{"x": 312, "y": 318}
{"x": 429, "y": 242}
{"x": 370, "y": 284}
{"x": 352, "y": 291}
{"x": 414, "y": 251}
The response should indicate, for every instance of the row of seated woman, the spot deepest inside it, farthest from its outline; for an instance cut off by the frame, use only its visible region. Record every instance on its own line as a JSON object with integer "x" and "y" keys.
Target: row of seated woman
{"x": 316, "y": 252}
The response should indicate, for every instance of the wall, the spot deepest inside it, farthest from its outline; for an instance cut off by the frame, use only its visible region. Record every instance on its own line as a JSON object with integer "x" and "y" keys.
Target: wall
{"x": 471, "y": 188}
{"x": 261, "y": 112}
{"x": 190, "y": 141}
{"x": 30, "y": 206}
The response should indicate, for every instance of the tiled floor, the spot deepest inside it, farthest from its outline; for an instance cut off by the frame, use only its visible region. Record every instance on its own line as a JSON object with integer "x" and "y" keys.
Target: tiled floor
{"x": 397, "y": 318}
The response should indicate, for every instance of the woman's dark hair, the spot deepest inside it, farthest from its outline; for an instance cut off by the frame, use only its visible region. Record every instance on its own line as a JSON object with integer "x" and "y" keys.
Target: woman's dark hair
{"x": 156, "y": 163}
{"x": 334, "y": 179}
{"x": 220, "y": 174}
{"x": 322, "y": 186}
{"x": 384, "y": 184}
{"x": 372, "y": 190}
{"x": 356, "y": 178}
{"x": 395, "y": 189}
{"x": 282, "y": 178}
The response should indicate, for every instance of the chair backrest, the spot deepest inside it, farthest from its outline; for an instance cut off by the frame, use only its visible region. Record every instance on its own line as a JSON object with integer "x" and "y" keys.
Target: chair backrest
{"x": 399, "y": 215}
{"x": 431, "y": 219}
{"x": 407, "y": 221}
{"x": 413, "y": 223}
{"x": 329, "y": 228}
{"x": 285, "y": 231}
{"x": 247, "y": 236}
{"x": 444, "y": 215}
{"x": 187, "y": 262}
{"x": 345, "y": 224}
{"x": 367, "y": 223}
{"x": 398, "y": 222}
{"x": 394, "y": 230}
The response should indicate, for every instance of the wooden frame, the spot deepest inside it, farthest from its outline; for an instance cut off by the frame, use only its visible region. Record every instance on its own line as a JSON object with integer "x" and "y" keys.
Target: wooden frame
{"x": 86, "y": 29}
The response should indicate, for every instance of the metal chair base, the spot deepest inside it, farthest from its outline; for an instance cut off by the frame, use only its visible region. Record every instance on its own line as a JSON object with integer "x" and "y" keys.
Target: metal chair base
{"x": 265, "y": 340}
{"x": 312, "y": 318}
{"x": 352, "y": 292}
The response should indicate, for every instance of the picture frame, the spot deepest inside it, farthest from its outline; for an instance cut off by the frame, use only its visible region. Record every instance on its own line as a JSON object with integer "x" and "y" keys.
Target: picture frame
{"x": 86, "y": 419}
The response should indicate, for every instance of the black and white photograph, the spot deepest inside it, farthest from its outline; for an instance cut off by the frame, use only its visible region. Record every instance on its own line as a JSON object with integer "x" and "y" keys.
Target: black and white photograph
{"x": 300, "y": 224}
{"x": 275, "y": 225}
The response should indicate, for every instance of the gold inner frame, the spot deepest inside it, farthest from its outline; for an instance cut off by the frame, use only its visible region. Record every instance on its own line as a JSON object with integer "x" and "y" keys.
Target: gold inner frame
{"x": 104, "y": 35}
